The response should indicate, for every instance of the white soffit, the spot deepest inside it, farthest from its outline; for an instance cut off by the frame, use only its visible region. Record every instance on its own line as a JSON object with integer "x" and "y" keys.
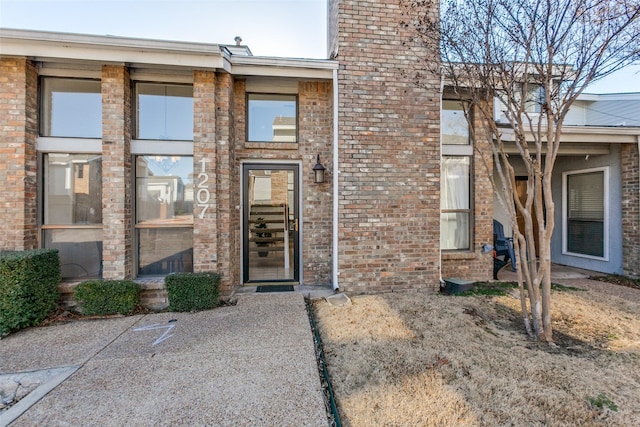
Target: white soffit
{"x": 589, "y": 134}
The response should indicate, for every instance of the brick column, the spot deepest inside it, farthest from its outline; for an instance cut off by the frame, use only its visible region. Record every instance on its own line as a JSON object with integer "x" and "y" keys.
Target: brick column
{"x": 18, "y": 133}
{"x": 205, "y": 233}
{"x": 227, "y": 187}
{"x": 389, "y": 204}
{"x": 315, "y": 109}
{"x": 116, "y": 173}
{"x": 630, "y": 209}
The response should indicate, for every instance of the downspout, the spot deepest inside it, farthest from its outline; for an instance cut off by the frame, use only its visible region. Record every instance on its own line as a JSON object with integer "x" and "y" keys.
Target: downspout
{"x": 442, "y": 284}
{"x": 334, "y": 257}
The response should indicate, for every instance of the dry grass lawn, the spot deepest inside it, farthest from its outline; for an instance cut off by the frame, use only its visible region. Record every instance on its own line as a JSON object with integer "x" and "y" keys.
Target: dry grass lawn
{"x": 422, "y": 358}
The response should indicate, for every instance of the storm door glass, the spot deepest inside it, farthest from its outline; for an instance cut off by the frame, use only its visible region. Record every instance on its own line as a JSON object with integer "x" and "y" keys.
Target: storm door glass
{"x": 271, "y": 223}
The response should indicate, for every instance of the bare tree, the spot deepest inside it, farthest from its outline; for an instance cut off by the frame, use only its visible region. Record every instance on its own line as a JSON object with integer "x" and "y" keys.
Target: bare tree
{"x": 533, "y": 58}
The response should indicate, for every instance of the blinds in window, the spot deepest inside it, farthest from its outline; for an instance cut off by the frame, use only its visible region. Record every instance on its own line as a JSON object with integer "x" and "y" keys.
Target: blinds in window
{"x": 585, "y": 202}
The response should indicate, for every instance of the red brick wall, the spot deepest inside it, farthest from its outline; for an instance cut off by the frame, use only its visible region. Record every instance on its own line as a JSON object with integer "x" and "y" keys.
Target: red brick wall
{"x": 205, "y": 233}
{"x": 18, "y": 132}
{"x": 630, "y": 209}
{"x": 389, "y": 203}
{"x": 315, "y": 107}
{"x": 116, "y": 173}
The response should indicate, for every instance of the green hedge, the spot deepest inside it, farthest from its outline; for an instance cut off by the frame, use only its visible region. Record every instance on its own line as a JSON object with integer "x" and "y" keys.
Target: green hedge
{"x": 28, "y": 287}
{"x": 102, "y": 297}
{"x": 192, "y": 291}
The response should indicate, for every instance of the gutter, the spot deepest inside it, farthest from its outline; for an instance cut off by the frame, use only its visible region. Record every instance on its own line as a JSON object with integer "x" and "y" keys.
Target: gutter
{"x": 334, "y": 258}
{"x": 442, "y": 284}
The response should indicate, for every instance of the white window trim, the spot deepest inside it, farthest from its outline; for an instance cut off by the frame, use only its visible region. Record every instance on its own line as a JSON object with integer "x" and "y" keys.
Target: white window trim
{"x": 50, "y": 144}
{"x": 605, "y": 225}
{"x": 457, "y": 150}
{"x": 161, "y": 147}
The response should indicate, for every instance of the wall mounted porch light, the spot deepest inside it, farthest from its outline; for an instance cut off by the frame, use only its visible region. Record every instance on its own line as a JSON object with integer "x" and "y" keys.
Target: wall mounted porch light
{"x": 318, "y": 171}
{"x": 486, "y": 248}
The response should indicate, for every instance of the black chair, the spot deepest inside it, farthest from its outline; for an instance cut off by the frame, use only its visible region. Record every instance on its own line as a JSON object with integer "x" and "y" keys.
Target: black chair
{"x": 503, "y": 247}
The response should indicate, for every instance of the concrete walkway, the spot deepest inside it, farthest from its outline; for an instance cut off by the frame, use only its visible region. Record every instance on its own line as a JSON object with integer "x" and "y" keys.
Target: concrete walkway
{"x": 252, "y": 364}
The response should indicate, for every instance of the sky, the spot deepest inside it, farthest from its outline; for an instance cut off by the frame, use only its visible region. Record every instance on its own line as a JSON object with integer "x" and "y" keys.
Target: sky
{"x": 285, "y": 28}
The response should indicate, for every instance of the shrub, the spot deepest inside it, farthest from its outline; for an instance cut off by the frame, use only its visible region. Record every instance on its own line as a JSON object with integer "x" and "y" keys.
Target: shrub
{"x": 28, "y": 287}
{"x": 192, "y": 291}
{"x": 101, "y": 297}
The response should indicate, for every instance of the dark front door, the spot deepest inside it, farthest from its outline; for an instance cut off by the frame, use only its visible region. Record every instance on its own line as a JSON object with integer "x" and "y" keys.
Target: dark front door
{"x": 270, "y": 215}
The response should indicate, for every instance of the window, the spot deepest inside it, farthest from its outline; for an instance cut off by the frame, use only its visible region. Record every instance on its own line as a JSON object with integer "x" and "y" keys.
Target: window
{"x": 455, "y": 203}
{"x": 164, "y": 111}
{"x": 164, "y": 214}
{"x": 455, "y": 129}
{"x": 272, "y": 118}
{"x": 71, "y": 108}
{"x": 534, "y": 96}
{"x": 73, "y": 212}
{"x": 584, "y": 209}
{"x": 455, "y": 183}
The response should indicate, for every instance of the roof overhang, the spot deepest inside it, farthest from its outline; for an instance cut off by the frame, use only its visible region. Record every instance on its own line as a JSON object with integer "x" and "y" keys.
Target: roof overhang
{"x": 281, "y": 67}
{"x": 581, "y": 140}
{"x": 85, "y": 50}
{"x": 65, "y": 47}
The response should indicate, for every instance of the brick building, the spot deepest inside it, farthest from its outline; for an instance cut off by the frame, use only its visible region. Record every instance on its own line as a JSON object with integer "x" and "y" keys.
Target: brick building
{"x": 137, "y": 158}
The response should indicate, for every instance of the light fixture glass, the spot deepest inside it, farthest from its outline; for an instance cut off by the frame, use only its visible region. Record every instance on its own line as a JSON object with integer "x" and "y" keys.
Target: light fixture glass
{"x": 318, "y": 171}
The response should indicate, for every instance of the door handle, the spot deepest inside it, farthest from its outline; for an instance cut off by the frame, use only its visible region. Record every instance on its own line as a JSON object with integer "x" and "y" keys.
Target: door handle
{"x": 295, "y": 225}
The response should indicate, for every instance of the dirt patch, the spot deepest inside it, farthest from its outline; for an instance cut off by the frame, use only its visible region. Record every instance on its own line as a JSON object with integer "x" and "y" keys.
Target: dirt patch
{"x": 427, "y": 359}
{"x": 618, "y": 280}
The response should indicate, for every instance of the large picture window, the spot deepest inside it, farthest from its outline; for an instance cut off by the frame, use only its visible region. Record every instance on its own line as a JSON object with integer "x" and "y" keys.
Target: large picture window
{"x": 272, "y": 118}
{"x": 455, "y": 203}
{"x": 164, "y": 214}
{"x": 73, "y": 212}
{"x": 585, "y": 212}
{"x": 71, "y": 108}
{"x": 164, "y": 111}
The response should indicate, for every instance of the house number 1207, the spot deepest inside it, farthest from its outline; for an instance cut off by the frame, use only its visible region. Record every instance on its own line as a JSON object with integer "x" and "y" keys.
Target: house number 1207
{"x": 203, "y": 195}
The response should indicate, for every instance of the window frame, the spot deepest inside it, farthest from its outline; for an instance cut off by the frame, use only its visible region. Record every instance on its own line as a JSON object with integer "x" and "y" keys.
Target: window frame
{"x": 136, "y": 114}
{"x": 605, "y": 220}
{"x": 461, "y": 102}
{"x": 295, "y": 98}
{"x": 460, "y": 150}
{"x": 43, "y": 227}
{"x": 469, "y": 211}
{"x": 45, "y": 111}
{"x": 154, "y": 226}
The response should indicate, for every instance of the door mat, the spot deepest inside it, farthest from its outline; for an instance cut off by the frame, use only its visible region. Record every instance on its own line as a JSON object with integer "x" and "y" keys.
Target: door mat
{"x": 275, "y": 288}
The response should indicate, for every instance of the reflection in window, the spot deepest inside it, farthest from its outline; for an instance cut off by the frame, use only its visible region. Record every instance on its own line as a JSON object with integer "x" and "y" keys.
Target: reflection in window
{"x": 455, "y": 202}
{"x": 164, "y": 190}
{"x": 73, "y": 189}
{"x": 71, "y": 108}
{"x": 162, "y": 251}
{"x": 73, "y": 212}
{"x": 164, "y": 214}
{"x": 272, "y": 118}
{"x": 79, "y": 249}
{"x": 455, "y": 129}
{"x": 164, "y": 111}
